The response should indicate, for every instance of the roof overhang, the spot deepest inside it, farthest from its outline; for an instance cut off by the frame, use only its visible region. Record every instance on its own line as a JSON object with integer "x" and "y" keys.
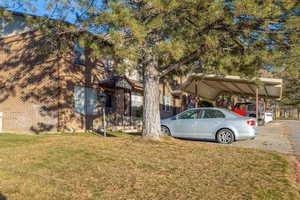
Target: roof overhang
{"x": 121, "y": 82}
{"x": 211, "y": 86}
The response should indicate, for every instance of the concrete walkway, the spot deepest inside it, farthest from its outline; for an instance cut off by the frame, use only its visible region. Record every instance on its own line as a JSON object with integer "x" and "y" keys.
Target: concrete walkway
{"x": 274, "y": 137}
{"x": 294, "y": 132}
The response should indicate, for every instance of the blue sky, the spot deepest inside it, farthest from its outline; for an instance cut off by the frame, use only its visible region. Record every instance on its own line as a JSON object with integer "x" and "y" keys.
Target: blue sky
{"x": 40, "y": 9}
{"x": 68, "y": 15}
{"x": 63, "y": 12}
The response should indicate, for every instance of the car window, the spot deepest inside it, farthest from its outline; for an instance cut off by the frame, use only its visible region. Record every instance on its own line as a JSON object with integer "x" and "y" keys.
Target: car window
{"x": 240, "y": 107}
{"x": 251, "y": 107}
{"x": 191, "y": 114}
{"x": 213, "y": 114}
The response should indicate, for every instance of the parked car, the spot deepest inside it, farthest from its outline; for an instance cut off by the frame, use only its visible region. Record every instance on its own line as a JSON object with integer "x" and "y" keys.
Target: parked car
{"x": 249, "y": 110}
{"x": 217, "y": 124}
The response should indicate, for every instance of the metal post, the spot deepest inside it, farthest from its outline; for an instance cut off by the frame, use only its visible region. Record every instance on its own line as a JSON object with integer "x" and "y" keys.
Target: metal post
{"x": 265, "y": 106}
{"x": 257, "y": 104}
{"x": 275, "y": 116}
{"x": 102, "y": 97}
{"x": 104, "y": 122}
{"x": 130, "y": 107}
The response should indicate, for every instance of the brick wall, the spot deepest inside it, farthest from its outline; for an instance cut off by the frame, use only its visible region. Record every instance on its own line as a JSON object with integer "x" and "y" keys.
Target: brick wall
{"x": 37, "y": 93}
{"x": 28, "y": 88}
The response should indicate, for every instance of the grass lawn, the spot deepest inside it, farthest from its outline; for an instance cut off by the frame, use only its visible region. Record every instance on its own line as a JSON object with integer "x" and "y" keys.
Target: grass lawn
{"x": 87, "y": 166}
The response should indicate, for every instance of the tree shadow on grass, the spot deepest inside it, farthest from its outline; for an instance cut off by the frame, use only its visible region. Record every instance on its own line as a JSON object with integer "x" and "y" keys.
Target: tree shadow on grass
{"x": 134, "y": 133}
{"x": 117, "y": 133}
{"x": 101, "y": 133}
{"x": 198, "y": 140}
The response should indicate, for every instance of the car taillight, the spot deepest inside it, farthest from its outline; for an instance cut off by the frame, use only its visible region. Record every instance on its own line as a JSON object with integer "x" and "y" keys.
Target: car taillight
{"x": 251, "y": 122}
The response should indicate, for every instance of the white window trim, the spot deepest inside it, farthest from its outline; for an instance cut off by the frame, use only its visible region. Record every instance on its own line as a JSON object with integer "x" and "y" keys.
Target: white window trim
{"x": 167, "y": 106}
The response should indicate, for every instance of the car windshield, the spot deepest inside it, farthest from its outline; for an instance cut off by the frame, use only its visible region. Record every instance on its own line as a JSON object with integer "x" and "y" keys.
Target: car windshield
{"x": 190, "y": 114}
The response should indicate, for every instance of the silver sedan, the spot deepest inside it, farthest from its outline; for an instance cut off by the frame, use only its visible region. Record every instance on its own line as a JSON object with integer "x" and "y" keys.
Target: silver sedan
{"x": 217, "y": 124}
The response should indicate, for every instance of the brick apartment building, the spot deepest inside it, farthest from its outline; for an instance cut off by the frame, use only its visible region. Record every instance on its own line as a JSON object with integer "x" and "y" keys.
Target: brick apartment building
{"x": 49, "y": 94}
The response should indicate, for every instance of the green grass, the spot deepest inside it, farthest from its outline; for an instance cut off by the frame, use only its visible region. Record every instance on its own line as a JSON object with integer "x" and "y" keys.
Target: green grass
{"x": 87, "y": 166}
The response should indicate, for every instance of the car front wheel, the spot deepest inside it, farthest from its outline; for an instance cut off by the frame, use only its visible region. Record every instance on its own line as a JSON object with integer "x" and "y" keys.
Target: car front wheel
{"x": 165, "y": 131}
{"x": 225, "y": 136}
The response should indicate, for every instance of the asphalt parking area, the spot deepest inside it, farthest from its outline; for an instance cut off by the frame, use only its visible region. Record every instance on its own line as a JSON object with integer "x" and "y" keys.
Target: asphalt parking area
{"x": 273, "y": 136}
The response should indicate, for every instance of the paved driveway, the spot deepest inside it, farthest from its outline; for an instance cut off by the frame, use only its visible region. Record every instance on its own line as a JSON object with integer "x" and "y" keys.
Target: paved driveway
{"x": 274, "y": 137}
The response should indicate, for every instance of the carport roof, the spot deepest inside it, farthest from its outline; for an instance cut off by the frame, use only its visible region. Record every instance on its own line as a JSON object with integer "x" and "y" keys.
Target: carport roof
{"x": 211, "y": 86}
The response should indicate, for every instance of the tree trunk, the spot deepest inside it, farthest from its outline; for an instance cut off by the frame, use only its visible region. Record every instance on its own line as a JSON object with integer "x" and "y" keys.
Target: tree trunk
{"x": 151, "y": 115}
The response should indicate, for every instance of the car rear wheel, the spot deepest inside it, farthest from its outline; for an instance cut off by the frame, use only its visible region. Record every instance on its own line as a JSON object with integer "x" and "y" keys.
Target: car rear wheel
{"x": 165, "y": 131}
{"x": 225, "y": 136}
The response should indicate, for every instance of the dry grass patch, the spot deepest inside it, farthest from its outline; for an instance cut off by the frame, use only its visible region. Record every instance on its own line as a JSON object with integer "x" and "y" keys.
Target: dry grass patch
{"x": 127, "y": 167}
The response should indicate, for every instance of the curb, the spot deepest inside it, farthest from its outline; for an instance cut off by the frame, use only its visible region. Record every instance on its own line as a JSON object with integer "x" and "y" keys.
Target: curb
{"x": 293, "y": 158}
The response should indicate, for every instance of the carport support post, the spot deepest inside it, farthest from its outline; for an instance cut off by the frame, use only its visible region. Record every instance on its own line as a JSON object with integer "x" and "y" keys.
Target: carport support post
{"x": 257, "y": 104}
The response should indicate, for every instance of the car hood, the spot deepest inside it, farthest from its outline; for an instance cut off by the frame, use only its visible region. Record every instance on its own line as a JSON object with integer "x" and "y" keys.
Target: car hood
{"x": 163, "y": 121}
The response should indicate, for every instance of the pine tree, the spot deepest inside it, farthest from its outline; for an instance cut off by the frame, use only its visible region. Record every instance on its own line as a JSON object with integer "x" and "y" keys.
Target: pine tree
{"x": 157, "y": 37}
{"x": 288, "y": 62}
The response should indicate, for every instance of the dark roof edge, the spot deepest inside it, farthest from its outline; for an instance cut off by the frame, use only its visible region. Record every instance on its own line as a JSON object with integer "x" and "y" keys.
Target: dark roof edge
{"x": 16, "y": 12}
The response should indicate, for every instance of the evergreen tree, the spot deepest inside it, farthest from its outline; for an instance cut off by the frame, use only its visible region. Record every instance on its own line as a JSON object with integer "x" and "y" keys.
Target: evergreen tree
{"x": 157, "y": 37}
{"x": 288, "y": 62}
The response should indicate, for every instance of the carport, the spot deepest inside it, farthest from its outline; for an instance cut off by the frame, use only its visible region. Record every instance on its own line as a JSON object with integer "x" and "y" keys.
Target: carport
{"x": 211, "y": 86}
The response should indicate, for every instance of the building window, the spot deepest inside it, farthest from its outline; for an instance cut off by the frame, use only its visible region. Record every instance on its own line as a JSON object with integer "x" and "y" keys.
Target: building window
{"x": 85, "y": 100}
{"x": 79, "y": 54}
{"x": 136, "y": 100}
{"x": 167, "y": 104}
{"x": 79, "y": 98}
{"x": 109, "y": 65}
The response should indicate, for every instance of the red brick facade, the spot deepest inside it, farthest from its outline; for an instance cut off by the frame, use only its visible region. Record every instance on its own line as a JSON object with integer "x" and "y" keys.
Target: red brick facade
{"x": 37, "y": 94}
